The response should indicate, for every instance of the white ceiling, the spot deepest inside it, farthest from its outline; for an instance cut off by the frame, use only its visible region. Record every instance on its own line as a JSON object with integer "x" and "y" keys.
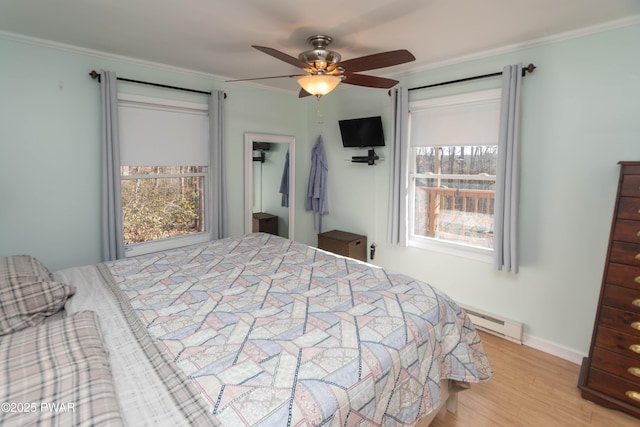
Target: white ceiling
{"x": 215, "y": 36}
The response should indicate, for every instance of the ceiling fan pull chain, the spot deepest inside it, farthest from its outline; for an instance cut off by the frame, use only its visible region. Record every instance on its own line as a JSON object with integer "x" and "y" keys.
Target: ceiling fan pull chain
{"x": 319, "y": 117}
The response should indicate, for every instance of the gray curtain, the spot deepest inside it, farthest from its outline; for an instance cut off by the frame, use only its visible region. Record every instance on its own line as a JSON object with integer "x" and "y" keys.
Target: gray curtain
{"x": 218, "y": 199}
{"x": 508, "y": 173}
{"x": 112, "y": 235}
{"x": 397, "y": 218}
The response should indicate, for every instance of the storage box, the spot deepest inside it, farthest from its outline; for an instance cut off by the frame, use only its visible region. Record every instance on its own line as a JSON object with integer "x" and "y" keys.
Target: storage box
{"x": 344, "y": 243}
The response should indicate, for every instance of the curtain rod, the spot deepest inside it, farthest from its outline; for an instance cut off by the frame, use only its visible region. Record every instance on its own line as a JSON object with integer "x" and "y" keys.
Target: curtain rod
{"x": 96, "y": 76}
{"x": 529, "y": 68}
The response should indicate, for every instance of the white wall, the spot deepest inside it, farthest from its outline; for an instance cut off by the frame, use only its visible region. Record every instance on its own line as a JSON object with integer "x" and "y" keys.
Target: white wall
{"x": 50, "y": 143}
{"x": 579, "y": 118}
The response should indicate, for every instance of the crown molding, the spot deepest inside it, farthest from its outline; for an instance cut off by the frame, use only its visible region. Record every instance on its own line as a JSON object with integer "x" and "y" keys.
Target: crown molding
{"x": 103, "y": 55}
{"x": 128, "y": 60}
{"x": 569, "y": 35}
{"x": 543, "y": 41}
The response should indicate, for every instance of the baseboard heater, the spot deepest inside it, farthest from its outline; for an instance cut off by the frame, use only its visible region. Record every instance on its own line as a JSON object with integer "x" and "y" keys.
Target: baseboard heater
{"x": 496, "y": 325}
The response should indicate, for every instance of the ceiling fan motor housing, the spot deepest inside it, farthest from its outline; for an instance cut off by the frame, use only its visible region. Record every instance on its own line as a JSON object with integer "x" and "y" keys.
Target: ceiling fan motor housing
{"x": 320, "y": 58}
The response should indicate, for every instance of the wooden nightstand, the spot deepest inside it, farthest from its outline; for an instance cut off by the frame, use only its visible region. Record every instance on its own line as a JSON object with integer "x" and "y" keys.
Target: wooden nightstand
{"x": 343, "y": 243}
{"x": 265, "y": 223}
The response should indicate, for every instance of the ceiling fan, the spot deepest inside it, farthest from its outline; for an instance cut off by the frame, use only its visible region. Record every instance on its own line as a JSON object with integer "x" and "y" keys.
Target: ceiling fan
{"x": 325, "y": 69}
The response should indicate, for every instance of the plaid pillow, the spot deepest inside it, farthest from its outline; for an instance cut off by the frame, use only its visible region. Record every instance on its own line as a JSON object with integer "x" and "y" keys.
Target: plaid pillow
{"x": 58, "y": 374}
{"x": 22, "y": 268}
{"x": 27, "y": 293}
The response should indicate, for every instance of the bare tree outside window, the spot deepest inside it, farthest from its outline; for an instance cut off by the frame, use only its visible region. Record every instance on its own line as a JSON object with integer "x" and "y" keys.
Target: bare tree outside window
{"x": 160, "y": 202}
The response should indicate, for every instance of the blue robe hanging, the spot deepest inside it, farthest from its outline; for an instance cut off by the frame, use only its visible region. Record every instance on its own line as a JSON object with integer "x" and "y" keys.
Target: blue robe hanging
{"x": 317, "y": 200}
{"x": 284, "y": 183}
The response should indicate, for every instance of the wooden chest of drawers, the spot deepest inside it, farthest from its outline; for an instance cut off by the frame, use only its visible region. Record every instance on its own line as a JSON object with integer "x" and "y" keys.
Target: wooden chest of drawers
{"x": 343, "y": 243}
{"x": 610, "y": 376}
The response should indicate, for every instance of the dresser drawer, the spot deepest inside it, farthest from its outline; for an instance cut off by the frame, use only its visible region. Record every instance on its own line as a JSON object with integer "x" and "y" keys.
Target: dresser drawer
{"x": 616, "y": 364}
{"x": 627, "y": 231}
{"x": 629, "y": 208}
{"x": 610, "y": 376}
{"x": 620, "y": 320}
{"x": 616, "y": 387}
{"x": 624, "y": 275}
{"x": 625, "y": 253}
{"x": 623, "y": 298}
{"x": 630, "y": 186}
{"x": 626, "y": 345}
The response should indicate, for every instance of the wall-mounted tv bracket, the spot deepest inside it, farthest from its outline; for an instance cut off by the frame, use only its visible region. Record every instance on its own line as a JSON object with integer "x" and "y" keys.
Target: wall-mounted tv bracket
{"x": 369, "y": 159}
{"x": 261, "y": 158}
{"x": 261, "y": 147}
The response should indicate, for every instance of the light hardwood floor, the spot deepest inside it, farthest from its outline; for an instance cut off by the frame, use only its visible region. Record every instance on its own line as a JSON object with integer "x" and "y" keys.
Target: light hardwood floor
{"x": 528, "y": 388}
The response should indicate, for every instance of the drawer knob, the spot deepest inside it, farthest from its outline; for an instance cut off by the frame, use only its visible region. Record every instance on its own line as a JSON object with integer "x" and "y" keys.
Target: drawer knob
{"x": 636, "y": 302}
{"x": 638, "y": 257}
{"x": 638, "y": 234}
{"x": 635, "y": 348}
{"x": 633, "y": 395}
{"x": 636, "y": 279}
{"x": 636, "y": 326}
{"x": 634, "y": 371}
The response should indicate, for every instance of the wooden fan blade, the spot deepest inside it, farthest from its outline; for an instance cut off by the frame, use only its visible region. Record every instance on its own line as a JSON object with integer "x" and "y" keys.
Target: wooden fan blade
{"x": 369, "y": 81}
{"x": 303, "y": 93}
{"x": 377, "y": 60}
{"x": 284, "y": 57}
{"x": 262, "y": 78}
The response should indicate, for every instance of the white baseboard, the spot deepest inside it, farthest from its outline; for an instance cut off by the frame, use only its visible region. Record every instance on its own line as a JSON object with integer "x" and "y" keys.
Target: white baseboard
{"x": 554, "y": 349}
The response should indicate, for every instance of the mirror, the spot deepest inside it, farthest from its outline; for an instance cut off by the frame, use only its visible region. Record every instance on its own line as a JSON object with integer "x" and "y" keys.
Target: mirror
{"x": 265, "y": 197}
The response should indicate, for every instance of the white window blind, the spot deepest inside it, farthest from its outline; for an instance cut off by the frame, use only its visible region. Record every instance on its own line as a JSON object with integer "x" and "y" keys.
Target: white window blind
{"x": 162, "y": 133}
{"x": 472, "y": 122}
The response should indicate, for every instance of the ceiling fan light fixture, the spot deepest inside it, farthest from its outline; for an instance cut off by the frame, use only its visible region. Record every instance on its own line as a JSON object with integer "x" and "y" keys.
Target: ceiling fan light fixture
{"x": 318, "y": 84}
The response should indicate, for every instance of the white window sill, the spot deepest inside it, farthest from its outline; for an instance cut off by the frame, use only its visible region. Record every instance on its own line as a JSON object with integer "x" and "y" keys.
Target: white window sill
{"x": 165, "y": 244}
{"x": 450, "y": 248}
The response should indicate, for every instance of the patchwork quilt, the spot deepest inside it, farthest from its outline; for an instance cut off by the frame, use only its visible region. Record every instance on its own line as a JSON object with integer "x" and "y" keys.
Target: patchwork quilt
{"x": 276, "y": 333}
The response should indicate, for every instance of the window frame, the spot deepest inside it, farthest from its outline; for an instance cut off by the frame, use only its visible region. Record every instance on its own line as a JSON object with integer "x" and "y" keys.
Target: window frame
{"x": 143, "y": 248}
{"x": 432, "y": 243}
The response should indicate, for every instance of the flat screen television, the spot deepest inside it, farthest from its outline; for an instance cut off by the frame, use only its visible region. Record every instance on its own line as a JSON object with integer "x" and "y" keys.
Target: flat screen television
{"x": 363, "y": 132}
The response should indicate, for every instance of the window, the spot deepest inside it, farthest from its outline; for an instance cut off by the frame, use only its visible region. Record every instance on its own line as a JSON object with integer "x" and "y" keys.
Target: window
{"x": 160, "y": 202}
{"x": 452, "y": 172}
{"x": 164, "y": 173}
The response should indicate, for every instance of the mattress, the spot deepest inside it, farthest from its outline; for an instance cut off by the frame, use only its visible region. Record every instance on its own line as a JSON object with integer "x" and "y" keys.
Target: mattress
{"x": 257, "y": 330}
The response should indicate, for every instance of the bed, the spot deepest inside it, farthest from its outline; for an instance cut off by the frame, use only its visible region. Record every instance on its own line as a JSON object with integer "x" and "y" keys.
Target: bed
{"x": 258, "y": 330}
